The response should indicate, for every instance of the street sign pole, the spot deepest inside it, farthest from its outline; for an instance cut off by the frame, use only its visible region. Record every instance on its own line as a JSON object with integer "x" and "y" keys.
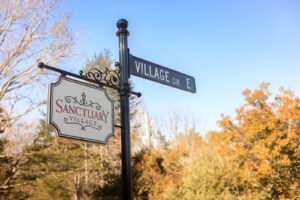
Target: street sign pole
{"x": 138, "y": 67}
{"x": 123, "y": 33}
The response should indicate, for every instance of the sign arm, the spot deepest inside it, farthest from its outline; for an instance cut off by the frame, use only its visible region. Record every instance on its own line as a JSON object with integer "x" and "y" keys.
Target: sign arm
{"x": 64, "y": 73}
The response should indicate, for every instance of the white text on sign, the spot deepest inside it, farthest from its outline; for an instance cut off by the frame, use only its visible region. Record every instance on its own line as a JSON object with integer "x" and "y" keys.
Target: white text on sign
{"x": 160, "y": 74}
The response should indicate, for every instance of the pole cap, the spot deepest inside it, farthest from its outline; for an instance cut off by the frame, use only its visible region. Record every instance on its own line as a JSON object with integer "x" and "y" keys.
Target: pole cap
{"x": 122, "y": 25}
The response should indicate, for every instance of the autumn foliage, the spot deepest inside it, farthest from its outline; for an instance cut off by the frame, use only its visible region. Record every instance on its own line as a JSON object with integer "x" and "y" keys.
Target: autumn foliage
{"x": 263, "y": 142}
{"x": 254, "y": 155}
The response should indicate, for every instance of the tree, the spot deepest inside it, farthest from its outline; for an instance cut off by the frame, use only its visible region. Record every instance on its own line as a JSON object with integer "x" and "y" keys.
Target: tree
{"x": 159, "y": 172}
{"x": 207, "y": 175}
{"x": 264, "y": 139}
{"x": 30, "y": 32}
{"x": 52, "y": 168}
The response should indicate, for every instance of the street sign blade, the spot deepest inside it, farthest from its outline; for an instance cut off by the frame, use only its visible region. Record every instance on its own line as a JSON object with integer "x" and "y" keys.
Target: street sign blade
{"x": 154, "y": 72}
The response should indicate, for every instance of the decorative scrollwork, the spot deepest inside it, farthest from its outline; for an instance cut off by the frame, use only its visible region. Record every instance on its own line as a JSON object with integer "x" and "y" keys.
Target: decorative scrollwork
{"x": 82, "y": 102}
{"x": 108, "y": 76}
{"x": 67, "y": 121}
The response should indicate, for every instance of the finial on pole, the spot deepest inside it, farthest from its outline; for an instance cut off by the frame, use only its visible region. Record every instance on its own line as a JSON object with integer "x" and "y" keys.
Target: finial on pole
{"x": 122, "y": 25}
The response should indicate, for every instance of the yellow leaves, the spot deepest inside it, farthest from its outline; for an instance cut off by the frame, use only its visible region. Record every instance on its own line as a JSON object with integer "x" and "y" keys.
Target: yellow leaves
{"x": 242, "y": 152}
{"x": 246, "y": 92}
{"x": 264, "y": 140}
{"x": 258, "y": 97}
{"x": 264, "y": 86}
{"x": 240, "y": 113}
{"x": 285, "y": 161}
{"x": 263, "y": 169}
{"x": 263, "y": 155}
{"x": 226, "y": 122}
{"x": 283, "y": 142}
{"x": 246, "y": 173}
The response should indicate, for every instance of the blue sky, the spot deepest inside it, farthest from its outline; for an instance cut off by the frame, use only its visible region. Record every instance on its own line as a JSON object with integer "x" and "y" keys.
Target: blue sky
{"x": 227, "y": 46}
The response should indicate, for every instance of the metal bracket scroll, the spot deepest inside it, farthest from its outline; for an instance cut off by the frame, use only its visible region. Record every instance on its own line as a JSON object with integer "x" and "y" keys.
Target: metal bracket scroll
{"x": 110, "y": 77}
{"x": 113, "y": 77}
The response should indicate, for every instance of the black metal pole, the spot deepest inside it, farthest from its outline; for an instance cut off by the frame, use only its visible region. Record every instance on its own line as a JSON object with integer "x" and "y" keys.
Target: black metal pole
{"x": 123, "y": 33}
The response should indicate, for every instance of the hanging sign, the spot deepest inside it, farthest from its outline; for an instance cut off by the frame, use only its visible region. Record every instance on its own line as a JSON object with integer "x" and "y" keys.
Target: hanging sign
{"x": 154, "y": 72}
{"x": 80, "y": 111}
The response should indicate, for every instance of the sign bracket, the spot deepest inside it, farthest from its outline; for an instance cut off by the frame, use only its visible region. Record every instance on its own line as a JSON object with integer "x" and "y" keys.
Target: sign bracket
{"x": 85, "y": 77}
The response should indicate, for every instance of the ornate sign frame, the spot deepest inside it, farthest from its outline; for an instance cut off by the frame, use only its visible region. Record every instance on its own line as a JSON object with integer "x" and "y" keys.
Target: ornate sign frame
{"x": 80, "y": 116}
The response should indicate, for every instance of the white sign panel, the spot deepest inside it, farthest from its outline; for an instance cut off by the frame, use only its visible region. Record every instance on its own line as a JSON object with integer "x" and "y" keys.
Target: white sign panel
{"x": 80, "y": 111}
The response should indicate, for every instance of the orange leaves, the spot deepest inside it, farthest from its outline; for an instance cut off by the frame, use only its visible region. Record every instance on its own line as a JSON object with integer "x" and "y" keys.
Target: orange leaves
{"x": 264, "y": 139}
{"x": 283, "y": 142}
{"x": 254, "y": 155}
{"x": 264, "y": 169}
{"x": 263, "y": 155}
{"x": 162, "y": 171}
{"x": 285, "y": 161}
{"x": 242, "y": 152}
{"x": 257, "y": 98}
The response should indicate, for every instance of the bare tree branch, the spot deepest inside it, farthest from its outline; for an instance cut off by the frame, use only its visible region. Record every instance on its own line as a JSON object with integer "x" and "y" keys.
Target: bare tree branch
{"x": 30, "y": 32}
